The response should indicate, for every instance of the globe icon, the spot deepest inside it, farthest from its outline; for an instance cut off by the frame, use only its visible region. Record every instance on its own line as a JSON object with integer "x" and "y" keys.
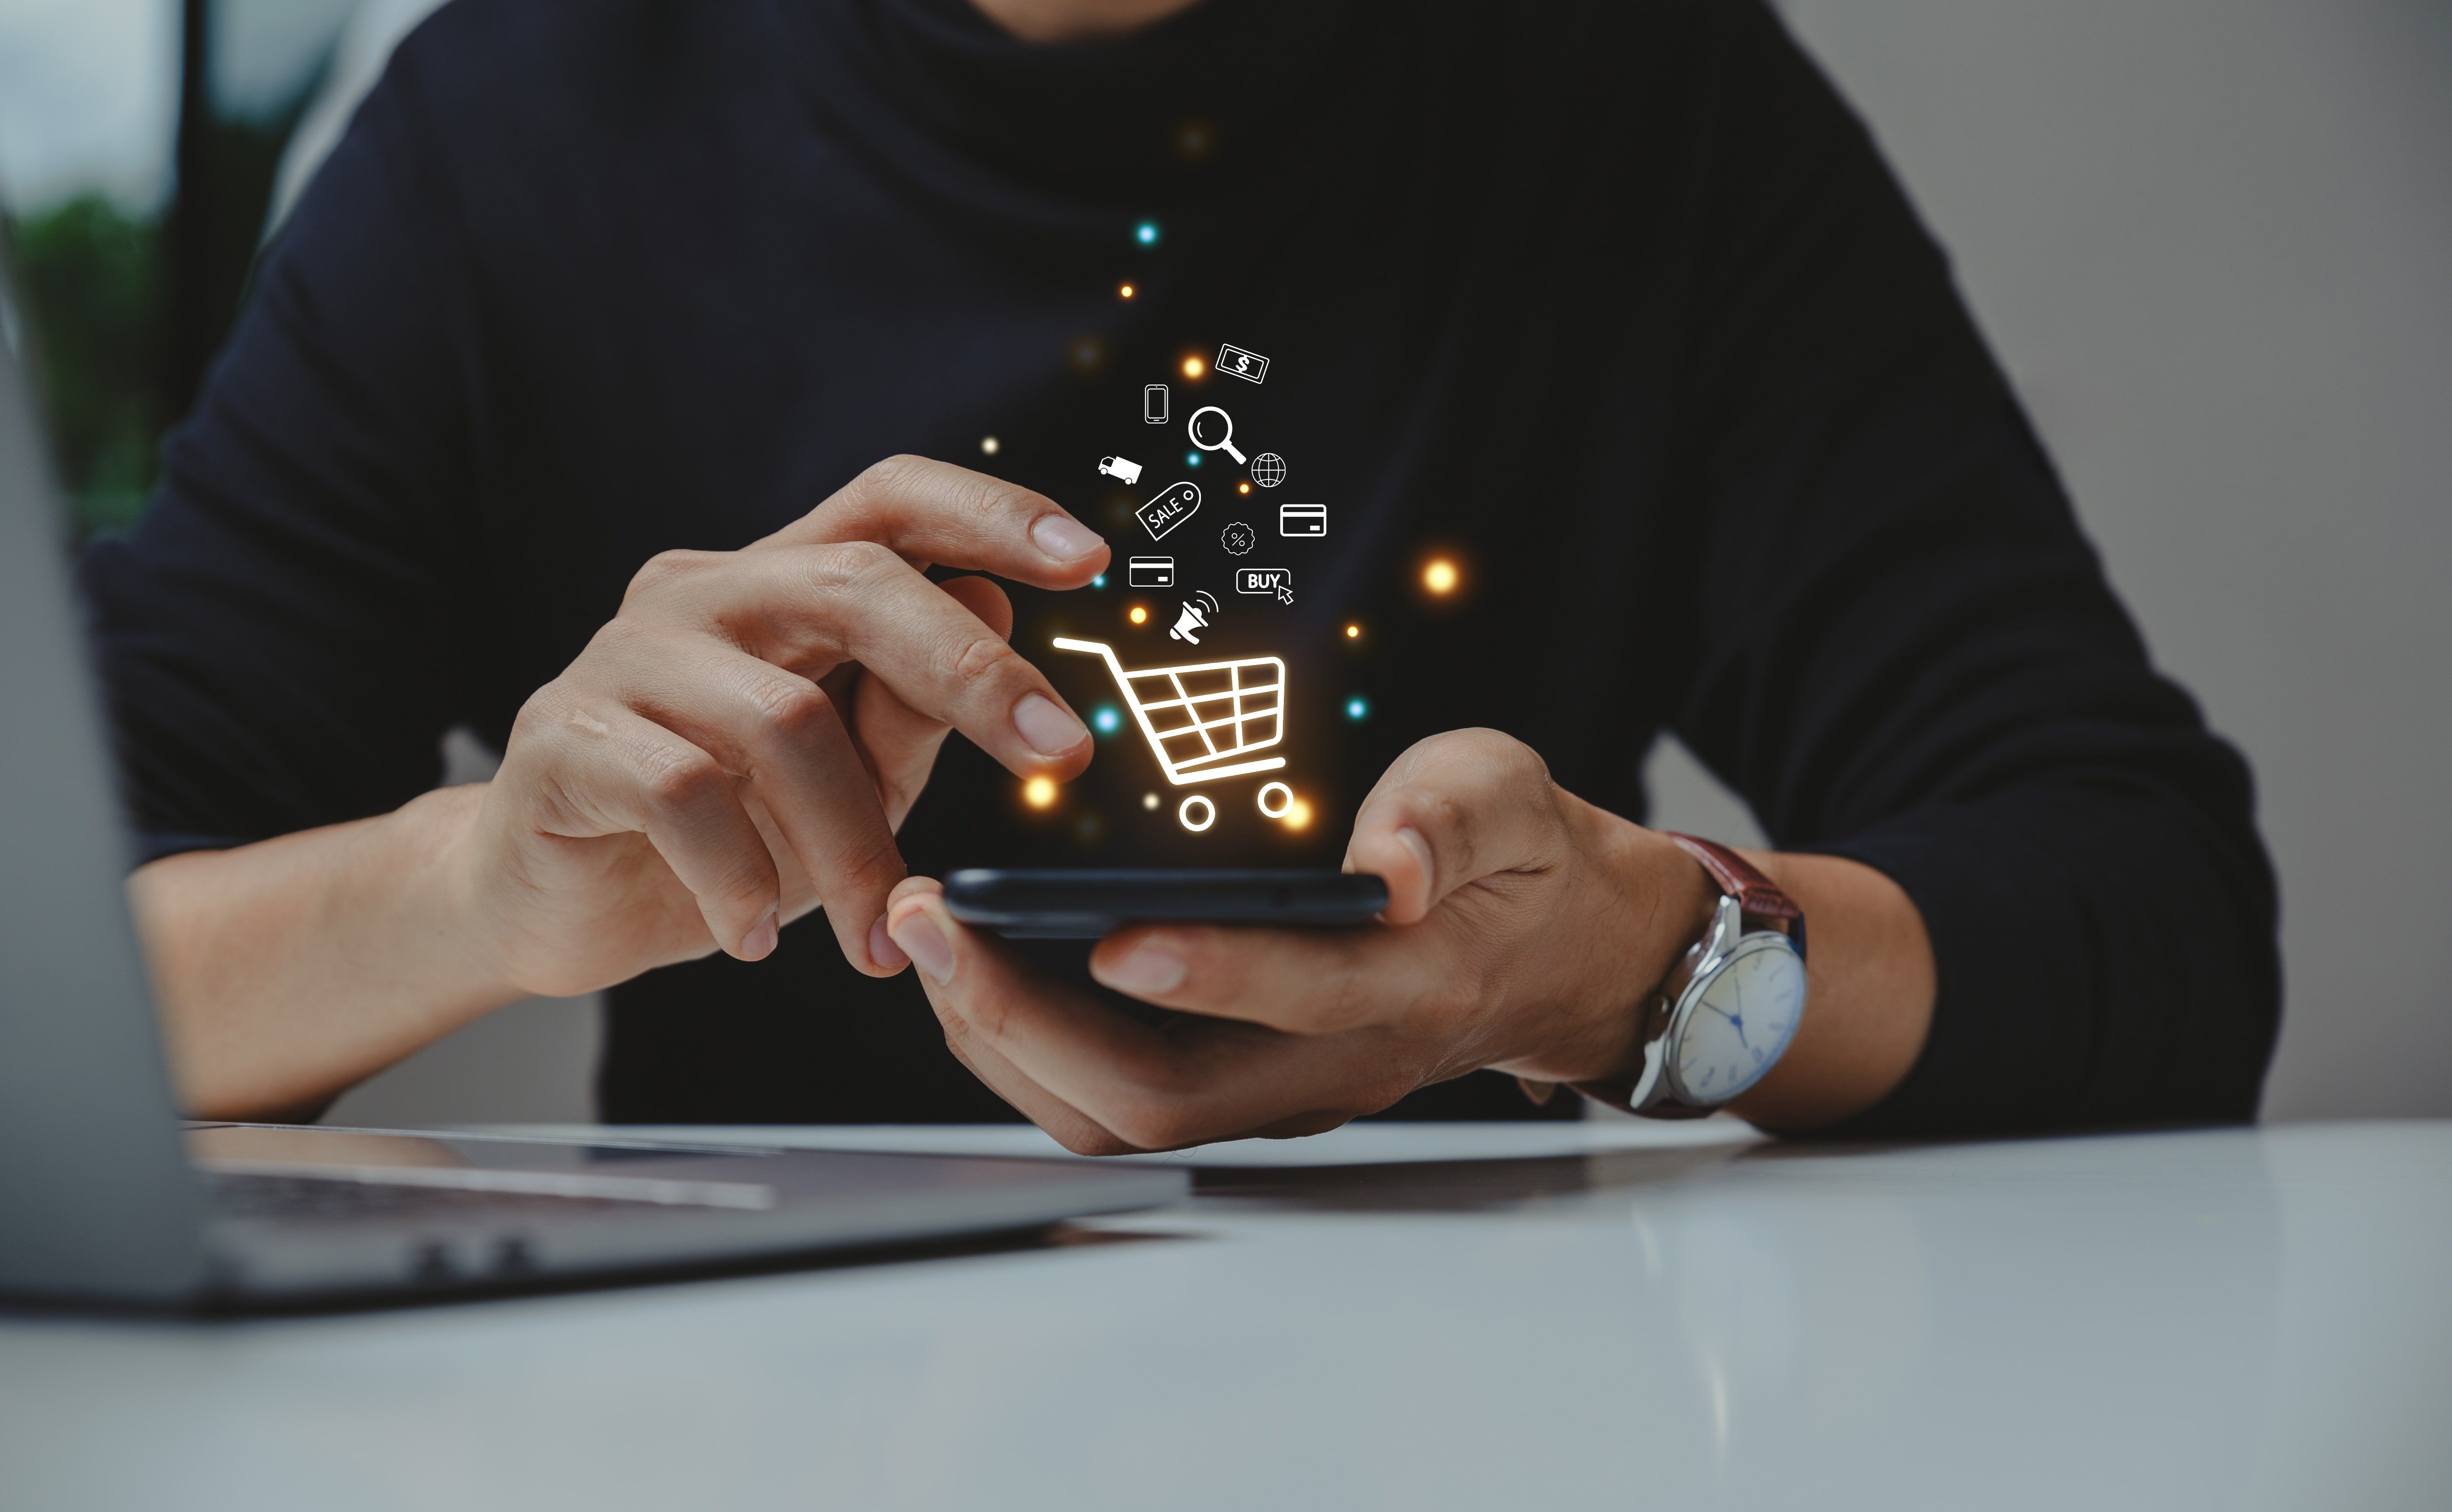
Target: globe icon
{"x": 1268, "y": 469}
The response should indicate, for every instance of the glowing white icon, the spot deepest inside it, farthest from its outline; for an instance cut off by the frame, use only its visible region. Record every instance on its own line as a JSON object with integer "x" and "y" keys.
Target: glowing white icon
{"x": 1150, "y": 572}
{"x": 1280, "y": 581}
{"x": 1224, "y": 430}
{"x": 1154, "y": 408}
{"x": 1170, "y": 509}
{"x": 1203, "y": 721}
{"x": 1268, "y": 469}
{"x": 1189, "y": 624}
{"x": 1120, "y": 468}
{"x": 1242, "y": 364}
{"x": 1239, "y": 538}
{"x": 1302, "y": 519}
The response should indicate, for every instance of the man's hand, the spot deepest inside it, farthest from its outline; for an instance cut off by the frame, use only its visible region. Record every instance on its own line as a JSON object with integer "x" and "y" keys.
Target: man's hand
{"x": 1523, "y": 928}
{"x": 740, "y": 742}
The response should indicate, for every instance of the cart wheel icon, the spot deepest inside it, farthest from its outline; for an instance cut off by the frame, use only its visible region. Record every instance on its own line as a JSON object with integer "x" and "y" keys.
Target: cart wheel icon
{"x": 1285, "y": 799}
{"x": 1208, "y": 813}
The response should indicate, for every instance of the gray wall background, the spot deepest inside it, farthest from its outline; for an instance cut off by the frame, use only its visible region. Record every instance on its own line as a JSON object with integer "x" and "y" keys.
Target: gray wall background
{"x": 2212, "y": 242}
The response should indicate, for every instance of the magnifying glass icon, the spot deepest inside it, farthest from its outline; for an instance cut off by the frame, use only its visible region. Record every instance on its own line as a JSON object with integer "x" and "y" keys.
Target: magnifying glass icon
{"x": 1225, "y": 441}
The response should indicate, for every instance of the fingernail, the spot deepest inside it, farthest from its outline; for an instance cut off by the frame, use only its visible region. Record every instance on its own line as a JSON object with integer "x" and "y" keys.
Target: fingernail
{"x": 1064, "y": 539}
{"x": 759, "y": 942}
{"x": 1412, "y": 840}
{"x": 1045, "y": 728}
{"x": 925, "y": 944}
{"x": 1147, "y": 967}
{"x": 882, "y": 948}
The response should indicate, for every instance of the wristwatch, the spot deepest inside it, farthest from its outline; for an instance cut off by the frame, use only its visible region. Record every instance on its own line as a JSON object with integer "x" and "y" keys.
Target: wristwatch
{"x": 1728, "y": 1009}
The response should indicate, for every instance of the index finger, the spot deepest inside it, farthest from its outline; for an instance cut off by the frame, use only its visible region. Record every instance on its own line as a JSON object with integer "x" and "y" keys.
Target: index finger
{"x": 936, "y": 513}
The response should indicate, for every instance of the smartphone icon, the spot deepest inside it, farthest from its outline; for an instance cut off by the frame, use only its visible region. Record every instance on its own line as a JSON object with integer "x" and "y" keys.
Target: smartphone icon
{"x": 1154, "y": 404}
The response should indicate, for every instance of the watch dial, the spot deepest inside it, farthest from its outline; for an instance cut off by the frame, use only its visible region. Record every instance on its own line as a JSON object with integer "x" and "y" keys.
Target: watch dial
{"x": 1740, "y": 1022}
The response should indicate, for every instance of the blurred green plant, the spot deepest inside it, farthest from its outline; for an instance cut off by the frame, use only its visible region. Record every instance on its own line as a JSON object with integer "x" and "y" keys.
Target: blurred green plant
{"x": 89, "y": 274}
{"x": 125, "y": 321}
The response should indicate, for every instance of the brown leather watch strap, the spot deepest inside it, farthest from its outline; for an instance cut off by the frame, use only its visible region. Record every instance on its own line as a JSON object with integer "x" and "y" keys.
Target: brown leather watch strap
{"x": 1757, "y": 895}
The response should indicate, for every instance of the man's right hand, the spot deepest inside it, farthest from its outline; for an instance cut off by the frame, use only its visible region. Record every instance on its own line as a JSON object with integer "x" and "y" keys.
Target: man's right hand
{"x": 740, "y": 742}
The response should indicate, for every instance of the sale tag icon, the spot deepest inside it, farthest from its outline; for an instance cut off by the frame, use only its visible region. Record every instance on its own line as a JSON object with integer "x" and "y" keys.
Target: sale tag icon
{"x": 1169, "y": 509}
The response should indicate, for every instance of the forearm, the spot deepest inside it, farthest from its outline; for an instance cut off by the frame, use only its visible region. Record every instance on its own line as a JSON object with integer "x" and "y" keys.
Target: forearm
{"x": 289, "y": 970}
{"x": 1869, "y": 987}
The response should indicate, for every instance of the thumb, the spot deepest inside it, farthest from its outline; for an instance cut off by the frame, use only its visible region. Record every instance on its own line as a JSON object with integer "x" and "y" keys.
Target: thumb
{"x": 1453, "y": 809}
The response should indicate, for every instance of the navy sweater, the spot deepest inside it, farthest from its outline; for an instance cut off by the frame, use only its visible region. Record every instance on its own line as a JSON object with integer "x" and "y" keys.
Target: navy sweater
{"x": 1612, "y": 305}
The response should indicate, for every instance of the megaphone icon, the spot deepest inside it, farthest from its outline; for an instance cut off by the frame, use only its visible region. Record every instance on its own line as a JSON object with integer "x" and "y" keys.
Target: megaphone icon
{"x": 1192, "y": 621}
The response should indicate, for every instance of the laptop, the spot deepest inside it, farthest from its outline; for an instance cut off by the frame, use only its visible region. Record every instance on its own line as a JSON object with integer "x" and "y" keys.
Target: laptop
{"x": 106, "y": 1197}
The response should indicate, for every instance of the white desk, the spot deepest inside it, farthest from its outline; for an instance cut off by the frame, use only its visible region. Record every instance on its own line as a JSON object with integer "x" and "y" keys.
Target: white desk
{"x": 2252, "y": 1319}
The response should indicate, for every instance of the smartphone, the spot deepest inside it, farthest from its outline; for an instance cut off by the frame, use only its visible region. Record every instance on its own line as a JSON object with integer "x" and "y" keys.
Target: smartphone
{"x": 1084, "y": 904}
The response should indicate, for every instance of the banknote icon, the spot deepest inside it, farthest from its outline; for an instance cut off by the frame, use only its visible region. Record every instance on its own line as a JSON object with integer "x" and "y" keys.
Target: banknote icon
{"x": 1242, "y": 364}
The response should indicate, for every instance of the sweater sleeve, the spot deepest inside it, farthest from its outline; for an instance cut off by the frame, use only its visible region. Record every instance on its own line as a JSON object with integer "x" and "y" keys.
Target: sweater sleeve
{"x": 278, "y": 635}
{"x": 1913, "y": 658}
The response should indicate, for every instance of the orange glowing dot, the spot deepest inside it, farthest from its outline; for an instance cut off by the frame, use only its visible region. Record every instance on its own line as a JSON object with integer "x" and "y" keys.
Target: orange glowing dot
{"x": 1298, "y": 815}
{"x": 1126, "y": 290}
{"x": 1353, "y": 632}
{"x": 1193, "y": 367}
{"x": 1440, "y": 576}
{"x": 1242, "y": 487}
{"x": 1040, "y": 792}
{"x": 1149, "y": 801}
{"x": 1139, "y": 615}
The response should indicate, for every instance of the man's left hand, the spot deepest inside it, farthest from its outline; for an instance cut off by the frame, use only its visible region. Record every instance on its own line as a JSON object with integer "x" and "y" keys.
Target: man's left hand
{"x": 1523, "y": 931}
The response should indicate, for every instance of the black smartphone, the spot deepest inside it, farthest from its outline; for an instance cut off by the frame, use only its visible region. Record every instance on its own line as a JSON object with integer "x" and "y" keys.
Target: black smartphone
{"x": 1083, "y": 904}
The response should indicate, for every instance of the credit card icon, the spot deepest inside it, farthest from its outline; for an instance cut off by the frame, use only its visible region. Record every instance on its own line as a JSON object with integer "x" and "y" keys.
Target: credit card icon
{"x": 1302, "y": 519}
{"x": 1170, "y": 509}
{"x": 1150, "y": 572}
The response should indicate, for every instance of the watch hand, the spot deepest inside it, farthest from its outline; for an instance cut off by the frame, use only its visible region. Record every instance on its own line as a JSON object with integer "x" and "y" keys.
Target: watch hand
{"x": 1736, "y": 1021}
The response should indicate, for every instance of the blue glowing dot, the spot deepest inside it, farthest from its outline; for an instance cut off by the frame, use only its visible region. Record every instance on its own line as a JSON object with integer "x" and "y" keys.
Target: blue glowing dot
{"x": 1099, "y": 582}
{"x": 1191, "y": 459}
{"x": 1357, "y": 708}
{"x": 1106, "y": 719}
{"x": 1146, "y": 233}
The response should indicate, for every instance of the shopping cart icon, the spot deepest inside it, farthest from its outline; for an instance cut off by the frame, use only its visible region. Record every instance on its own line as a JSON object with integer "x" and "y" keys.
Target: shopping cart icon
{"x": 1204, "y": 720}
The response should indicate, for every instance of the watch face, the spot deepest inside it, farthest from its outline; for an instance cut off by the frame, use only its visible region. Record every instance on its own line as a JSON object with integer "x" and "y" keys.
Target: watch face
{"x": 1740, "y": 1020}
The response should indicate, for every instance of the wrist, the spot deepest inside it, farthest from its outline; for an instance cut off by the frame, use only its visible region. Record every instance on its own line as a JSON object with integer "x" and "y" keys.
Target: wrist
{"x": 435, "y": 846}
{"x": 1651, "y": 902}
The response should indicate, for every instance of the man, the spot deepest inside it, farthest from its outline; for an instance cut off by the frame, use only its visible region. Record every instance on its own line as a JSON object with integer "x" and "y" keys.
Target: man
{"x": 1610, "y": 307}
